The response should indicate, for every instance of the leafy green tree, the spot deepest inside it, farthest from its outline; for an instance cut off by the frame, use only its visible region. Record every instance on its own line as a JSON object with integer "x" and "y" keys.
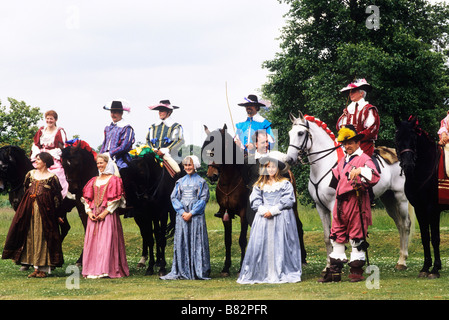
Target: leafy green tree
{"x": 327, "y": 44}
{"x": 18, "y": 124}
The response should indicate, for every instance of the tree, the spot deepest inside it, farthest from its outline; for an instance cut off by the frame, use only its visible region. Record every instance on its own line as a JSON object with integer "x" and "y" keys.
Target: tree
{"x": 18, "y": 124}
{"x": 328, "y": 43}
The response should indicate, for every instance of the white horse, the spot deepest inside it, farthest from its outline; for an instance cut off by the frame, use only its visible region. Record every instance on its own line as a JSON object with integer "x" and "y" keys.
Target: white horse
{"x": 311, "y": 137}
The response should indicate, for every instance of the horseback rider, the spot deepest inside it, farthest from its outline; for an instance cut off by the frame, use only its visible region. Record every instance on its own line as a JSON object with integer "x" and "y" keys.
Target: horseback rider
{"x": 254, "y": 122}
{"x": 166, "y": 136}
{"x": 118, "y": 136}
{"x": 363, "y": 116}
{"x": 351, "y": 215}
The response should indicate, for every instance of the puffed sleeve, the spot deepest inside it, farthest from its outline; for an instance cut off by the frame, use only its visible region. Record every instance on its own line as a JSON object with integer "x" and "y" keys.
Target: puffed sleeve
{"x": 88, "y": 194}
{"x": 203, "y": 196}
{"x": 286, "y": 201}
{"x": 176, "y": 198}
{"x": 256, "y": 201}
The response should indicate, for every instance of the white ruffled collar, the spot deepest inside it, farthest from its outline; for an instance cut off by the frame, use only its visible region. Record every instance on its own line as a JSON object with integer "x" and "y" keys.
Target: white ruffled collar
{"x": 274, "y": 187}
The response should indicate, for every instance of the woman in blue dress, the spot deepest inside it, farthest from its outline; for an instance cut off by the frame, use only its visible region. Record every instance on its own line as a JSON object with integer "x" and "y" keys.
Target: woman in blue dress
{"x": 191, "y": 259}
{"x": 273, "y": 254}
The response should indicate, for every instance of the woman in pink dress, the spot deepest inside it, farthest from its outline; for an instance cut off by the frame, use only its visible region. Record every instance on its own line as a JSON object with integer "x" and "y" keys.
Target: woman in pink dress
{"x": 51, "y": 139}
{"x": 104, "y": 252}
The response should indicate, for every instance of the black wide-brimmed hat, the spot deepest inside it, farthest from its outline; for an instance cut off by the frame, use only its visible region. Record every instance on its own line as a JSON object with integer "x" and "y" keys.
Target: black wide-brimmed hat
{"x": 251, "y": 100}
{"x": 117, "y": 105}
{"x": 163, "y": 104}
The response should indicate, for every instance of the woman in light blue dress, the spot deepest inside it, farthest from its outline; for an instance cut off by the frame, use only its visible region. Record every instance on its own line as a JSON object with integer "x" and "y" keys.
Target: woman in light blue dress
{"x": 273, "y": 254}
{"x": 191, "y": 259}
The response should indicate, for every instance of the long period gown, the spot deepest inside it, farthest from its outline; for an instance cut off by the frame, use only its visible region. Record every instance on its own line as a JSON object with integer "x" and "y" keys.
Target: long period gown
{"x": 191, "y": 258}
{"x": 34, "y": 236}
{"x": 53, "y": 143}
{"x": 104, "y": 252}
{"x": 273, "y": 254}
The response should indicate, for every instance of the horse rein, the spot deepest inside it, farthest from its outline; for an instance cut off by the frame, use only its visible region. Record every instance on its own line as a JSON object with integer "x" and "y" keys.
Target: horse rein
{"x": 302, "y": 148}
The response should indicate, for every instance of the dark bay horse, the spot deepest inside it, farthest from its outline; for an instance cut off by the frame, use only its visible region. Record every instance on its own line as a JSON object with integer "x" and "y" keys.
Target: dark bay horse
{"x": 79, "y": 163}
{"x": 148, "y": 193}
{"x": 14, "y": 165}
{"x": 419, "y": 158}
{"x": 222, "y": 155}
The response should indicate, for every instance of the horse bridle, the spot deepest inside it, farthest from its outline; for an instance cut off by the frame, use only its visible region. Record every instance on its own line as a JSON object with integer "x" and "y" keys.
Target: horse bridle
{"x": 302, "y": 148}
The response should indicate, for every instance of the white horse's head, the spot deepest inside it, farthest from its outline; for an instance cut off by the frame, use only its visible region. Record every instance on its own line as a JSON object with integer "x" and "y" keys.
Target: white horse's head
{"x": 300, "y": 138}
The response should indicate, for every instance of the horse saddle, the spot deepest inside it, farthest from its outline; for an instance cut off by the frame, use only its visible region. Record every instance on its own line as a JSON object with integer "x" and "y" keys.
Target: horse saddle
{"x": 388, "y": 154}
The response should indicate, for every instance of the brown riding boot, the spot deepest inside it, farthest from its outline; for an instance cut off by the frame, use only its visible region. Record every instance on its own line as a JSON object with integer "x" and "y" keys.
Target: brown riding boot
{"x": 333, "y": 273}
{"x": 356, "y": 270}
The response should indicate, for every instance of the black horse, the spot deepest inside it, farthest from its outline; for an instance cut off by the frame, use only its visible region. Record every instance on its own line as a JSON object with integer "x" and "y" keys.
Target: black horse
{"x": 419, "y": 158}
{"x": 148, "y": 194}
{"x": 79, "y": 166}
{"x": 14, "y": 165}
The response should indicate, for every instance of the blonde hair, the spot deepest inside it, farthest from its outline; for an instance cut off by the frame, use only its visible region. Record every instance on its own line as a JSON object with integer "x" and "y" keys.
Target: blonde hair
{"x": 264, "y": 177}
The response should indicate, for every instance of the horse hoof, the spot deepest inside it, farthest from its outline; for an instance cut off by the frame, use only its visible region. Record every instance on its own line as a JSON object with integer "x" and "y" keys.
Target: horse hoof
{"x": 433, "y": 276}
{"x": 423, "y": 274}
{"x": 225, "y": 274}
{"x": 141, "y": 265}
{"x": 400, "y": 267}
{"x": 149, "y": 272}
{"x": 162, "y": 273}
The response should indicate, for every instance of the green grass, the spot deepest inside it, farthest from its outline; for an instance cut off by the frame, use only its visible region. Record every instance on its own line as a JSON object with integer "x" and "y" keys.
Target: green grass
{"x": 384, "y": 240}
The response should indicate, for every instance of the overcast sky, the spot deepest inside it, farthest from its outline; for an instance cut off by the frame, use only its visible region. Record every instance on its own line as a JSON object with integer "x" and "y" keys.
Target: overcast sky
{"x": 75, "y": 56}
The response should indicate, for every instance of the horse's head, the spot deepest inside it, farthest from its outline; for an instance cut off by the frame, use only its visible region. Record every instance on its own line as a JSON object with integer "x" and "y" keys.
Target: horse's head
{"x": 219, "y": 149}
{"x": 406, "y": 141}
{"x": 300, "y": 138}
{"x": 14, "y": 164}
{"x": 79, "y": 166}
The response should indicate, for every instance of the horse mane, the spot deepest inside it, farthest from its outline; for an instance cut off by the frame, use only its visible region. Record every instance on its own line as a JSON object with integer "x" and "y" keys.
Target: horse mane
{"x": 322, "y": 125}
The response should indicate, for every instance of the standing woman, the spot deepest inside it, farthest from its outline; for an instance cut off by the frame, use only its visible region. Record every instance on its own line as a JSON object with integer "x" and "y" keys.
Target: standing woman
{"x": 191, "y": 259}
{"x": 273, "y": 254}
{"x": 104, "y": 252}
{"x": 51, "y": 139}
{"x": 34, "y": 238}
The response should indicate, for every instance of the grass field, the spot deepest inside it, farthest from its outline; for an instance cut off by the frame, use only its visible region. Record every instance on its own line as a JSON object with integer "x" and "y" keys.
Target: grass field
{"x": 384, "y": 240}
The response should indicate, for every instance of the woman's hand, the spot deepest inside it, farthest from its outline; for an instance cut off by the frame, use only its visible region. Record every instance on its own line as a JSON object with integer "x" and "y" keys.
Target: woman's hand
{"x": 187, "y": 216}
{"x": 268, "y": 215}
{"x": 102, "y": 215}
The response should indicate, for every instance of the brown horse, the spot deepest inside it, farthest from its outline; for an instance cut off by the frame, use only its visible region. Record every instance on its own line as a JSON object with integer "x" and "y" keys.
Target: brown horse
{"x": 232, "y": 195}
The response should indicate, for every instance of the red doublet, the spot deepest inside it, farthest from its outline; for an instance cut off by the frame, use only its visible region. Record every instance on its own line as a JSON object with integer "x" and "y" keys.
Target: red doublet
{"x": 358, "y": 120}
{"x": 346, "y": 222}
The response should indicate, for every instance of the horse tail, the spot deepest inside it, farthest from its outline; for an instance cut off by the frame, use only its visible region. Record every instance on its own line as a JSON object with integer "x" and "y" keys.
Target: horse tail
{"x": 411, "y": 214}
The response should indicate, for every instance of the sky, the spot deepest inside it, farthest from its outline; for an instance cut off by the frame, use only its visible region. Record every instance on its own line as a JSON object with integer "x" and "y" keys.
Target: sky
{"x": 76, "y": 56}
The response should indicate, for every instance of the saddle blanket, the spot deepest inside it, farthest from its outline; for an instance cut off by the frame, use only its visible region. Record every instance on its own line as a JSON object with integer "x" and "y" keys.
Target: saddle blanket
{"x": 443, "y": 176}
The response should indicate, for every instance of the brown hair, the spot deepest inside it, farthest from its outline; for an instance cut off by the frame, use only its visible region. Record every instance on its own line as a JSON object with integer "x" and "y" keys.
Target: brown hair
{"x": 51, "y": 113}
{"x": 46, "y": 158}
{"x": 264, "y": 177}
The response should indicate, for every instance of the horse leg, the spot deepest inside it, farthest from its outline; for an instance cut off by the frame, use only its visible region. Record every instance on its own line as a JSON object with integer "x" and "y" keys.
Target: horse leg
{"x": 83, "y": 216}
{"x": 399, "y": 211}
{"x": 243, "y": 241}
{"x": 161, "y": 243}
{"x": 435, "y": 238}
{"x": 150, "y": 269}
{"x": 425, "y": 240}
{"x": 140, "y": 221}
{"x": 228, "y": 242}
{"x": 300, "y": 235}
{"x": 326, "y": 220}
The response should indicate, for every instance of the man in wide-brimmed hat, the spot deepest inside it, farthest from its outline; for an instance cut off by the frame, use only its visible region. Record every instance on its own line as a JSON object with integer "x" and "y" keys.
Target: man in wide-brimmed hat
{"x": 166, "y": 136}
{"x": 361, "y": 114}
{"x": 119, "y": 135}
{"x": 350, "y": 218}
{"x": 254, "y": 122}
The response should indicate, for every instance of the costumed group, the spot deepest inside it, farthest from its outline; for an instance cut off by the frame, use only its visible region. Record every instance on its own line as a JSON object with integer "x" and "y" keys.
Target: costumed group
{"x": 273, "y": 253}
